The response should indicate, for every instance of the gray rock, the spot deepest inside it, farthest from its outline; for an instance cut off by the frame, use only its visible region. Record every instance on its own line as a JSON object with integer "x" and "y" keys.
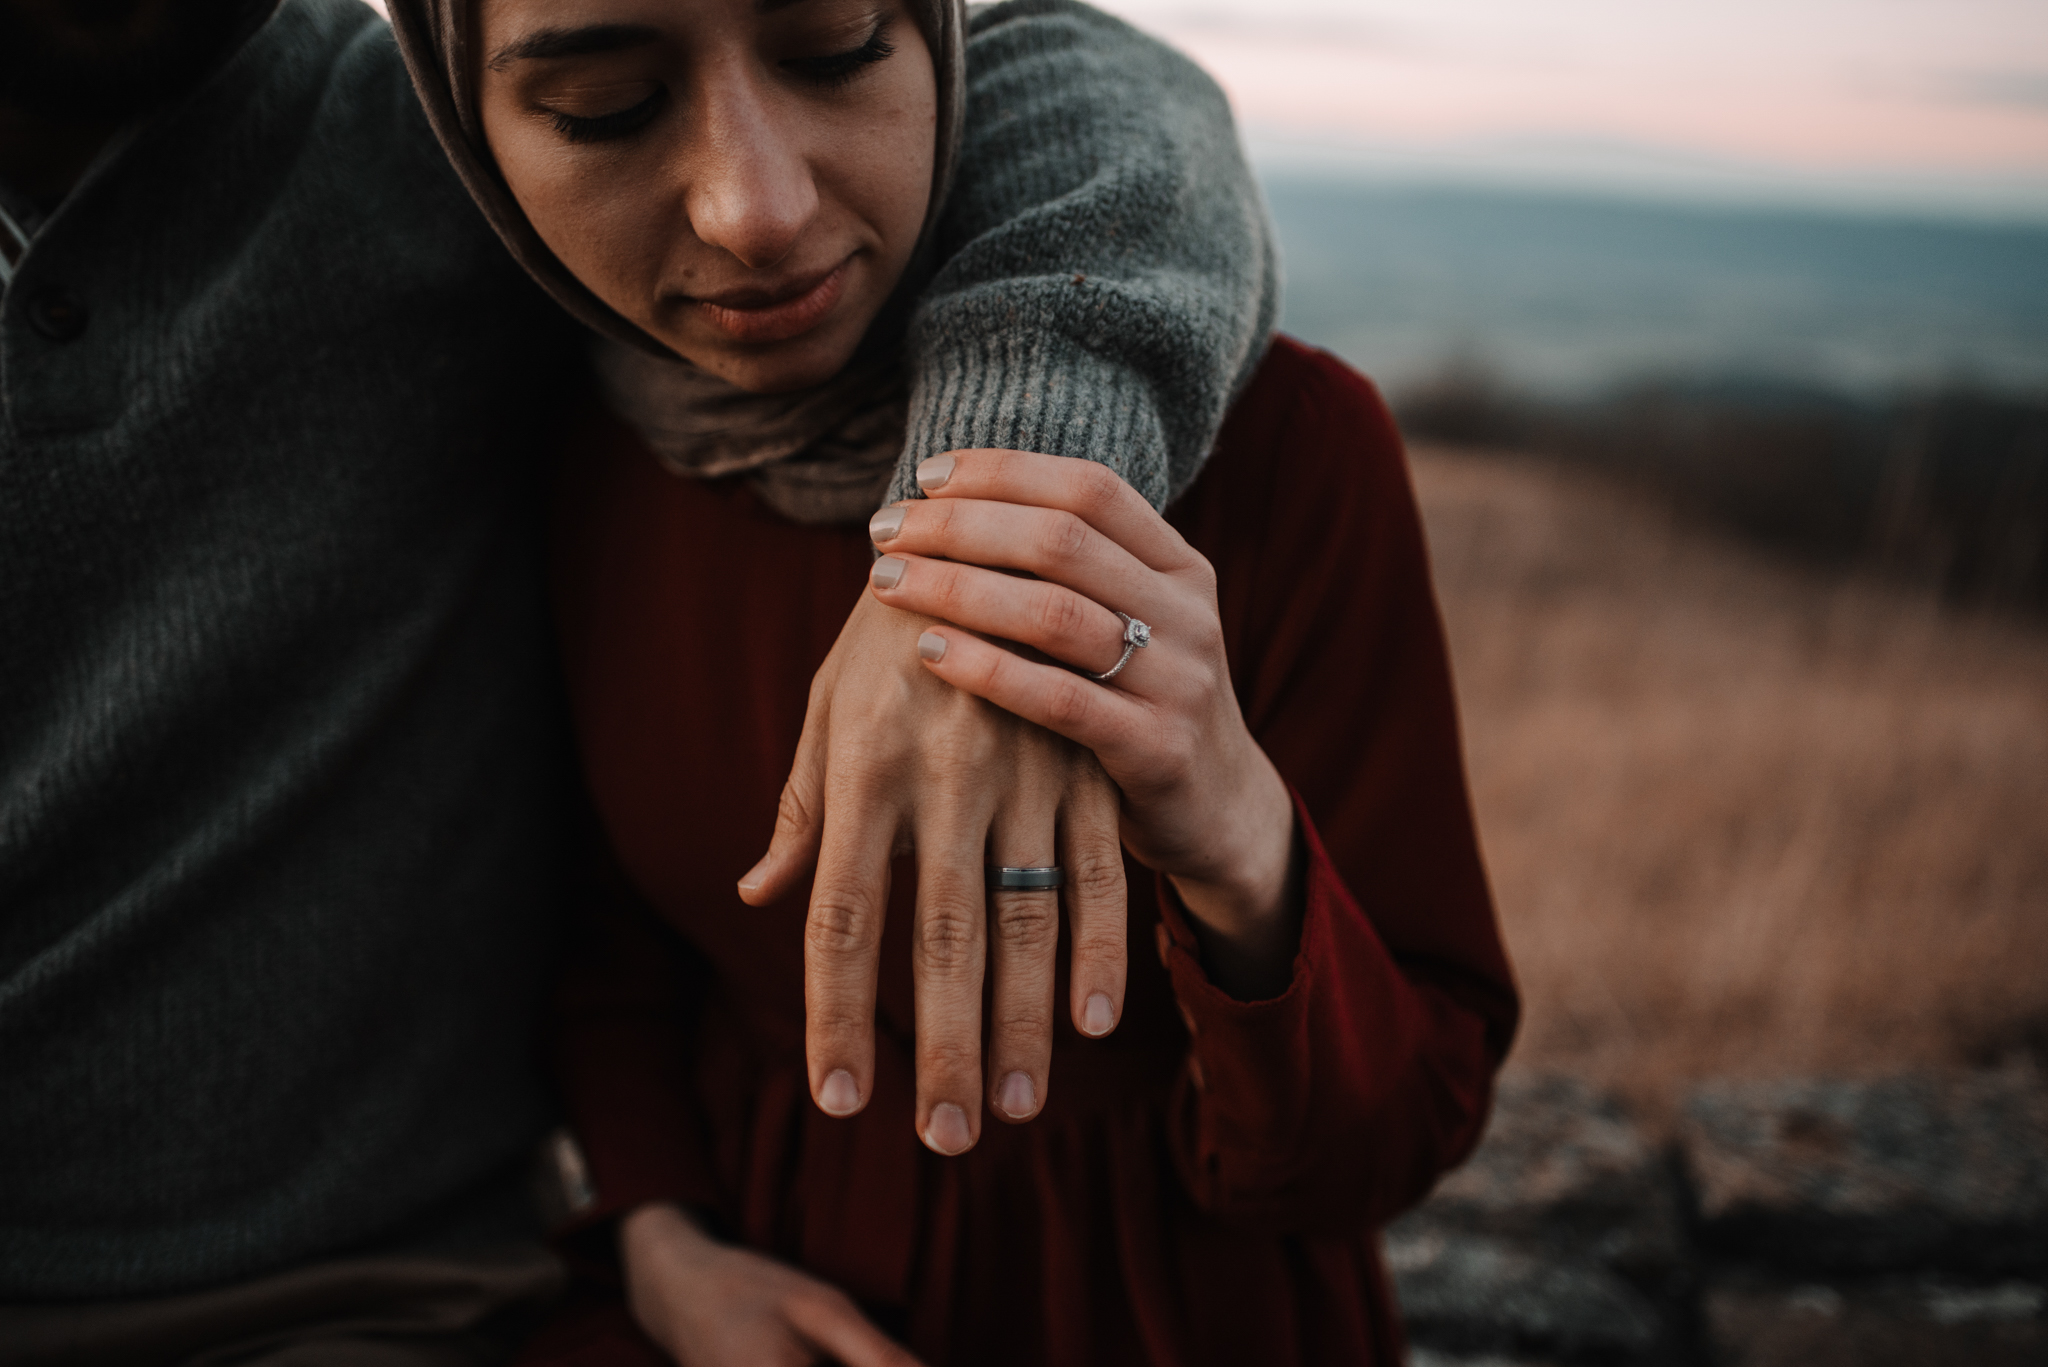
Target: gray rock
{"x": 1907, "y": 1323}
{"x": 1562, "y": 1166}
{"x": 1937, "y": 1171}
{"x": 1466, "y": 1294}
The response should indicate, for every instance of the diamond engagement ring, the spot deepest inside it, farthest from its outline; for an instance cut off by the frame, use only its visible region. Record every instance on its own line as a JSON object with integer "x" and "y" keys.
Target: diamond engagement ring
{"x": 1136, "y": 637}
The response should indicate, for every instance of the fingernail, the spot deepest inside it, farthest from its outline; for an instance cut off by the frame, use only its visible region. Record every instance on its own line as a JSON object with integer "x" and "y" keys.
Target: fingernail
{"x": 947, "y": 1131}
{"x": 934, "y": 473}
{"x": 886, "y": 523}
{"x": 1098, "y": 1017}
{"x": 1017, "y": 1097}
{"x": 888, "y": 571}
{"x": 751, "y": 879}
{"x": 840, "y": 1095}
{"x": 932, "y": 646}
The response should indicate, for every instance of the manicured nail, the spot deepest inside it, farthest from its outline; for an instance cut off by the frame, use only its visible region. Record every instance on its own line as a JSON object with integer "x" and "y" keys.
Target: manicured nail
{"x": 1098, "y": 1017}
{"x": 934, "y": 473}
{"x": 1017, "y": 1097}
{"x": 947, "y": 1131}
{"x": 888, "y": 572}
{"x": 840, "y": 1095}
{"x": 885, "y": 524}
{"x": 932, "y": 646}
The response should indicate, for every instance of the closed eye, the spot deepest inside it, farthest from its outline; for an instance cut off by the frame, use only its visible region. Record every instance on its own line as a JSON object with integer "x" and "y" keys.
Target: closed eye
{"x": 606, "y": 127}
{"x": 838, "y": 68}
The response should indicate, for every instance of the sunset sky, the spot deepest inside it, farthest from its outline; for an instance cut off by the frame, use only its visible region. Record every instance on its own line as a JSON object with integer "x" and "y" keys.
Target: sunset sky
{"x": 1929, "y": 105}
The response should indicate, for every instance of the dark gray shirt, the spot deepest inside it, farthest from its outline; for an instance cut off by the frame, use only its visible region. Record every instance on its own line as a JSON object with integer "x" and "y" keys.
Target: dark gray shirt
{"x": 278, "y": 749}
{"x": 280, "y": 760}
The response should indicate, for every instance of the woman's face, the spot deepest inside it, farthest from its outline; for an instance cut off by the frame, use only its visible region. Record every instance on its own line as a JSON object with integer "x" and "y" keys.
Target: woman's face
{"x": 745, "y": 179}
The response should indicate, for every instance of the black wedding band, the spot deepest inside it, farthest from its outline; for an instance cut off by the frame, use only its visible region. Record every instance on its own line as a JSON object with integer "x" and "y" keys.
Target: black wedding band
{"x": 1002, "y": 879}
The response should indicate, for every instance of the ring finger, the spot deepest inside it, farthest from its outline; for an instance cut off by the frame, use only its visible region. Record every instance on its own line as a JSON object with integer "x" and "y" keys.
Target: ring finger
{"x": 1024, "y": 932}
{"x": 1066, "y": 625}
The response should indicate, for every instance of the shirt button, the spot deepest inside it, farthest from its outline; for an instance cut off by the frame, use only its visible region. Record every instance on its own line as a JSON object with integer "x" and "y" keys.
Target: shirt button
{"x": 56, "y": 315}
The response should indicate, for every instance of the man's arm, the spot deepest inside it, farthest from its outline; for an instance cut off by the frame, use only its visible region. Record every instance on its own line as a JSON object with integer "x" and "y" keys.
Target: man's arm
{"x": 1107, "y": 278}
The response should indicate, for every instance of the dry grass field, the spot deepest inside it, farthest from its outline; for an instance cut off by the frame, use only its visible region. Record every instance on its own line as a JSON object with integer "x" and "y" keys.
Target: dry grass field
{"x": 1742, "y": 818}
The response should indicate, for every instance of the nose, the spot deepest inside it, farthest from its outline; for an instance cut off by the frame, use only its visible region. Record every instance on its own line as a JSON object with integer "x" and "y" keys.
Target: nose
{"x": 753, "y": 194}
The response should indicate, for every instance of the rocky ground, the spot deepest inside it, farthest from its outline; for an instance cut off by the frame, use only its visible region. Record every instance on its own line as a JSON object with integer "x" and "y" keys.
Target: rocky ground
{"x": 1900, "y": 1220}
{"x": 1746, "y": 821}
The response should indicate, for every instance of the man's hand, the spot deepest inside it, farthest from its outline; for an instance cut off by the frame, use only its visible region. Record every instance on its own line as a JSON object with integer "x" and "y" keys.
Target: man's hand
{"x": 895, "y": 758}
{"x": 1202, "y": 802}
{"x": 710, "y": 1304}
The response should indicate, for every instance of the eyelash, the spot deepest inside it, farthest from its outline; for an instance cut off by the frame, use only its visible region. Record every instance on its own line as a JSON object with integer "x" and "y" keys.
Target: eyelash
{"x": 842, "y": 67}
{"x": 605, "y": 127}
{"x": 838, "y": 69}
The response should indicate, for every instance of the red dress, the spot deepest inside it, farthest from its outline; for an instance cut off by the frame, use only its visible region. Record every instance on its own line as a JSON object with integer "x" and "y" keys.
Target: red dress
{"x": 1203, "y": 1186}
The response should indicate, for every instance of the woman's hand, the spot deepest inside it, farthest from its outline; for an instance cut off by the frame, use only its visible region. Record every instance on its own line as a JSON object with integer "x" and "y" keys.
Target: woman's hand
{"x": 1202, "y": 802}
{"x": 894, "y": 759}
{"x": 709, "y": 1304}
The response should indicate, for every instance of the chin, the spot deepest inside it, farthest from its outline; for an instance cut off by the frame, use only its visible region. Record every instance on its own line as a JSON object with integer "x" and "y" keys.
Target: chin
{"x": 802, "y": 363}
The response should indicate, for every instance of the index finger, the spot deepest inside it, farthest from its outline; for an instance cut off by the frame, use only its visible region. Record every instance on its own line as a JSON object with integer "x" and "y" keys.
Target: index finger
{"x": 843, "y": 952}
{"x": 1094, "y": 493}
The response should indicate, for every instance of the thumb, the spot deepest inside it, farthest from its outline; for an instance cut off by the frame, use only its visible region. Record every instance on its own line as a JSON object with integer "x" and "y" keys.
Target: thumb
{"x": 799, "y": 826}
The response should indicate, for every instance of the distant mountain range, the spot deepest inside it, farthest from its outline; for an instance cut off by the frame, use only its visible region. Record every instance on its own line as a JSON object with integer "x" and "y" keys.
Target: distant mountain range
{"x": 1570, "y": 296}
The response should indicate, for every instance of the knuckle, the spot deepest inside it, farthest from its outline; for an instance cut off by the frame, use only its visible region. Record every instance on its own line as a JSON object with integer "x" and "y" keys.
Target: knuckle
{"x": 949, "y": 1057}
{"x": 839, "y": 1025}
{"x": 1061, "y": 615}
{"x": 1062, "y": 538}
{"x": 982, "y": 671}
{"x": 1104, "y": 948}
{"x": 1068, "y": 705}
{"x": 942, "y": 590}
{"x": 1022, "y": 1038}
{"x": 1096, "y": 875}
{"x": 1027, "y": 922}
{"x": 791, "y": 813}
{"x": 837, "y": 926}
{"x": 946, "y": 937}
{"x": 1101, "y": 487}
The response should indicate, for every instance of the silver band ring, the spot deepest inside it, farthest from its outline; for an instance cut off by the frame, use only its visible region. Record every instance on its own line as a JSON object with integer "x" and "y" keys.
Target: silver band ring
{"x": 1042, "y": 879}
{"x": 1136, "y": 637}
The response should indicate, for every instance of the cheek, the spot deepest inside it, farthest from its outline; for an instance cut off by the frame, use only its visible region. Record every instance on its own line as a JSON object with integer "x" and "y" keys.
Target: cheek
{"x": 604, "y": 217}
{"x": 883, "y": 163}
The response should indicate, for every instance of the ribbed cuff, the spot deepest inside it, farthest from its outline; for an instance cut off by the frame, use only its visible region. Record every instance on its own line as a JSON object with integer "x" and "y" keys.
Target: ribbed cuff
{"x": 1033, "y": 392}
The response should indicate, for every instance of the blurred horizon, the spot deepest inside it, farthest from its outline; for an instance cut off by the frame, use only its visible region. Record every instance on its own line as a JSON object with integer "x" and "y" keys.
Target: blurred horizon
{"x": 1569, "y": 294}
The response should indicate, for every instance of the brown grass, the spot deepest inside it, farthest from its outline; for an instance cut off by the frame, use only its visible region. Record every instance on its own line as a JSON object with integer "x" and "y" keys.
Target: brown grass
{"x": 1742, "y": 818}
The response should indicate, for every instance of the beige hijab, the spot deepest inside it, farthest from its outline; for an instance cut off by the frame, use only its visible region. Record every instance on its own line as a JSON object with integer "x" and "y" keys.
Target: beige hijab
{"x": 822, "y": 455}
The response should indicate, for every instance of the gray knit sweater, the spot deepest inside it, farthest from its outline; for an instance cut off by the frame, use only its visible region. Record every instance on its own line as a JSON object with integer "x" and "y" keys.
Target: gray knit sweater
{"x": 280, "y": 757}
{"x": 1109, "y": 278}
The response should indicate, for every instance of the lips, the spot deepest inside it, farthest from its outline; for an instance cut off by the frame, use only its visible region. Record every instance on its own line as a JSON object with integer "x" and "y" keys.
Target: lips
{"x": 776, "y": 315}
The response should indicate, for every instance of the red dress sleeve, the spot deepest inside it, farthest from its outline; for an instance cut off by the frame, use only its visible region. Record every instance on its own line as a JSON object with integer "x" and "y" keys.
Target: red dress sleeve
{"x": 1340, "y": 1101}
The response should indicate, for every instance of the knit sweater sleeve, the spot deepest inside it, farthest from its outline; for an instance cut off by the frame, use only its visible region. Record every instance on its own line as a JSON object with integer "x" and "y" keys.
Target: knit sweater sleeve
{"x": 1107, "y": 278}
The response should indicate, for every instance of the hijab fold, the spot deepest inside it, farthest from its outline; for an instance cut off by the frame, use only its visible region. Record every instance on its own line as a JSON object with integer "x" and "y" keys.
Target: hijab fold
{"x": 821, "y": 455}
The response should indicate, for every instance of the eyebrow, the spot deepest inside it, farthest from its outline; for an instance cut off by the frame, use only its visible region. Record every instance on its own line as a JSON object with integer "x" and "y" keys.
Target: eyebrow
{"x": 577, "y": 42}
